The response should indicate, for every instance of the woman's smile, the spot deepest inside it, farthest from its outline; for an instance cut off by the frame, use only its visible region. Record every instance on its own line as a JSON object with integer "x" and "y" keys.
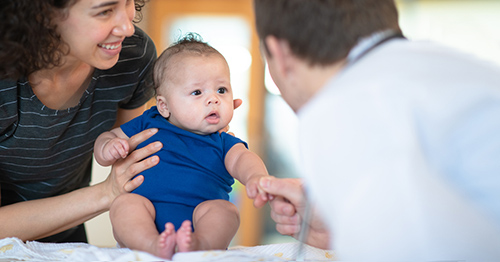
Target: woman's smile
{"x": 111, "y": 49}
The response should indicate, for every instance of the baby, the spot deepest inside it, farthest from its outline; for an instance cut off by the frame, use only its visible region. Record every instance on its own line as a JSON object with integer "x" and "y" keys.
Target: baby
{"x": 188, "y": 190}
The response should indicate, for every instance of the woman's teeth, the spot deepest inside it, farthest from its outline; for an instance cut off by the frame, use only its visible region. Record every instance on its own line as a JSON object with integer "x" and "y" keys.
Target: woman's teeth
{"x": 109, "y": 47}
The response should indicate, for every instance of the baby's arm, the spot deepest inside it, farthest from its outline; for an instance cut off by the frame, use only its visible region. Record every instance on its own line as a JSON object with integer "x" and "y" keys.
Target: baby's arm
{"x": 111, "y": 146}
{"x": 247, "y": 168}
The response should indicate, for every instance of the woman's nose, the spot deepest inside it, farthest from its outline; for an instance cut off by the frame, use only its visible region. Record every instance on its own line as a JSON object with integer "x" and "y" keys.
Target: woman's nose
{"x": 124, "y": 26}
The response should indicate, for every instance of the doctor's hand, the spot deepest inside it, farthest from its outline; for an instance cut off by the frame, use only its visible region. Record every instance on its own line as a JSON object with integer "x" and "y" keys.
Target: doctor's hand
{"x": 122, "y": 178}
{"x": 288, "y": 204}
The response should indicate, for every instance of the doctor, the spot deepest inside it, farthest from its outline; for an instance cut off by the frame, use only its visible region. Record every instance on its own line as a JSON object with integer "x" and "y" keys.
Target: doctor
{"x": 404, "y": 159}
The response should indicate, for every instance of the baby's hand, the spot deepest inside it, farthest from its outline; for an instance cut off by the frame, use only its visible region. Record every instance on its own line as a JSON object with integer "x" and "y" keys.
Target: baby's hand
{"x": 115, "y": 149}
{"x": 255, "y": 192}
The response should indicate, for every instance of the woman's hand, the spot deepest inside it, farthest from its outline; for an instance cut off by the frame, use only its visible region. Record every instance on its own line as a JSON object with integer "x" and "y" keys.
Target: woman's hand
{"x": 121, "y": 179}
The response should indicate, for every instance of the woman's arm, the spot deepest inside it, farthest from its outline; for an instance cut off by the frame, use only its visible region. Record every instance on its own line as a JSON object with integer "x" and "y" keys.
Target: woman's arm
{"x": 31, "y": 220}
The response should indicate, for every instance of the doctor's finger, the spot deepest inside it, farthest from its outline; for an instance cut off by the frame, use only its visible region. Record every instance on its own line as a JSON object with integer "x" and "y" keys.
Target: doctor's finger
{"x": 285, "y": 220}
{"x": 288, "y": 188}
{"x": 289, "y": 230}
{"x": 282, "y": 206}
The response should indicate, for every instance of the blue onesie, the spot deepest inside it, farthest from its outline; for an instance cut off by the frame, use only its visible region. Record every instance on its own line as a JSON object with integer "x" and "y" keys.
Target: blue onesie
{"x": 191, "y": 168}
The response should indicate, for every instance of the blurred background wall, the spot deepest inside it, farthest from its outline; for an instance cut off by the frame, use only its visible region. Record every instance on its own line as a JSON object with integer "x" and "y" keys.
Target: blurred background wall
{"x": 264, "y": 120}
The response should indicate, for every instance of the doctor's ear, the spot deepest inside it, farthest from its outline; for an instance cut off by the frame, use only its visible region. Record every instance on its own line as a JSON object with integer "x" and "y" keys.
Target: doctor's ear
{"x": 161, "y": 104}
{"x": 278, "y": 52}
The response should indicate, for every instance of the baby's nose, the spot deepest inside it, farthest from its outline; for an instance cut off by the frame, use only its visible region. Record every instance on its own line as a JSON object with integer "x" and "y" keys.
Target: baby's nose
{"x": 213, "y": 100}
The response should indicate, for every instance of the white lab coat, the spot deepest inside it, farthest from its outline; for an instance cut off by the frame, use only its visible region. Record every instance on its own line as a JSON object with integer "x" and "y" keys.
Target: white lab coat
{"x": 401, "y": 151}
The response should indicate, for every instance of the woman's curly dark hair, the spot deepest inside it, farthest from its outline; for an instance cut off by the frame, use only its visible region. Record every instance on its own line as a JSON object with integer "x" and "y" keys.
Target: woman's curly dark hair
{"x": 29, "y": 41}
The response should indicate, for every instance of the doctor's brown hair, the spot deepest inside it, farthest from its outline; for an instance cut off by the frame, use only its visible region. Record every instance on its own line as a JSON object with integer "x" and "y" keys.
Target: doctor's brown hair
{"x": 324, "y": 31}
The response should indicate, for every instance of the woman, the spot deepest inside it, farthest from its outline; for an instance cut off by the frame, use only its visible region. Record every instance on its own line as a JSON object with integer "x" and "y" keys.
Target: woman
{"x": 69, "y": 70}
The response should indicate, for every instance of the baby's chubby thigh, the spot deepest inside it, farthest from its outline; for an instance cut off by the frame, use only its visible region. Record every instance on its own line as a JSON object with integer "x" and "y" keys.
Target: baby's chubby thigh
{"x": 216, "y": 214}
{"x": 125, "y": 204}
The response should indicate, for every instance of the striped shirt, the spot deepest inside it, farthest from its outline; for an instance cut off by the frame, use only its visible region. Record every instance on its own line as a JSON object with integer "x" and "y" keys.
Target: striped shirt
{"x": 46, "y": 152}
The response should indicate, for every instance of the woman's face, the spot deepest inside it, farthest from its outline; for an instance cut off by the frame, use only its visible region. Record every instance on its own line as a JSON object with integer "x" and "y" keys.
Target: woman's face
{"x": 95, "y": 29}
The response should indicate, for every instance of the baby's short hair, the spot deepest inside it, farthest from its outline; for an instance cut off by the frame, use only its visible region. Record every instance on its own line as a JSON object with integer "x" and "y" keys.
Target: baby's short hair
{"x": 191, "y": 43}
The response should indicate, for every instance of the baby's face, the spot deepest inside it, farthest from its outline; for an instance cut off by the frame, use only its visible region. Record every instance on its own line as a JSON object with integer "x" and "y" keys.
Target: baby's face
{"x": 198, "y": 93}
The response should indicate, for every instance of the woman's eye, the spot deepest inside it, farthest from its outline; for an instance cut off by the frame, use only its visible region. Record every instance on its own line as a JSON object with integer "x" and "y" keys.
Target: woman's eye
{"x": 105, "y": 12}
{"x": 196, "y": 93}
{"x": 222, "y": 90}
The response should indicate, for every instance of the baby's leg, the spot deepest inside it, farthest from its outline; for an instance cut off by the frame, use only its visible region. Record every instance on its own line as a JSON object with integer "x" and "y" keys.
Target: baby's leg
{"x": 132, "y": 217}
{"x": 215, "y": 223}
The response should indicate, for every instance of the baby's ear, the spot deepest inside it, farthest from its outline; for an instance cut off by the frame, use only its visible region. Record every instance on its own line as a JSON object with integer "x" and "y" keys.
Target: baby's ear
{"x": 161, "y": 104}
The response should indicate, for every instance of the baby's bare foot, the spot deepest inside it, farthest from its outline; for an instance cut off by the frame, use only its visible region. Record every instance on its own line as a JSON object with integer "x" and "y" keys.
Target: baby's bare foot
{"x": 186, "y": 241}
{"x": 166, "y": 242}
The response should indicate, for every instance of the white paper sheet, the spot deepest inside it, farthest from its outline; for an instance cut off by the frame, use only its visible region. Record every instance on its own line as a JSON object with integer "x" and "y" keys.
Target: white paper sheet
{"x": 13, "y": 249}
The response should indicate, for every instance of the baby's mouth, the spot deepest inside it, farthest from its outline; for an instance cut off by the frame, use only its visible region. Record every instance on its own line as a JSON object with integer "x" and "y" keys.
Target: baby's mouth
{"x": 213, "y": 115}
{"x": 212, "y": 118}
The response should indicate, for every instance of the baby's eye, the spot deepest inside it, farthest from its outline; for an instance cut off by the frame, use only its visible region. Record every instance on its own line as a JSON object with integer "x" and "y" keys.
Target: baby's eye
{"x": 222, "y": 90}
{"x": 196, "y": 93}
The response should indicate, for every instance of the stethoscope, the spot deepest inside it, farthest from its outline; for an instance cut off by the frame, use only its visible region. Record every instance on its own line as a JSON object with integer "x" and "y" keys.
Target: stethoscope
{"x": 364, "y": 46}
